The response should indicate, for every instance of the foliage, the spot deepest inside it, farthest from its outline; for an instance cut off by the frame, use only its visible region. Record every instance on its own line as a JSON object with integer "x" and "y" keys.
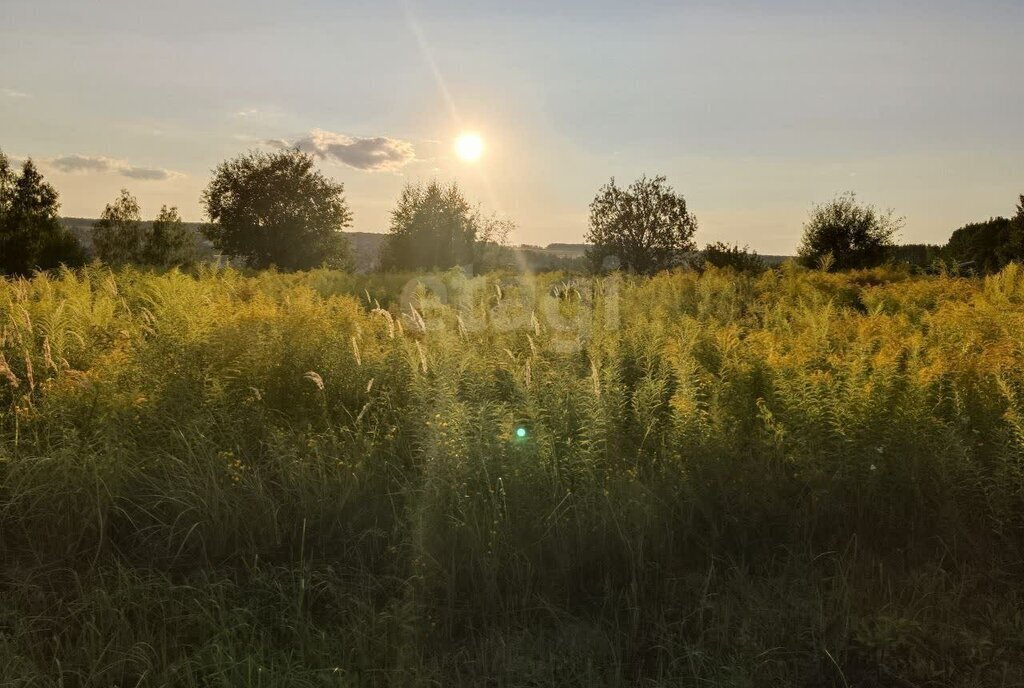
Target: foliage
{"x": 722, "y": 255}
{"x": 31, "y": 234}
{"x": 987, "y": 247}
{"x": 170, "y": 242}
{"x": 922, "y": 256}
{"x": 844, "y": 234}
{"x": 435, "y": 227}
{"x": 275, "y": 209}
{"x": 645, "y": 227}
{"x": 119, "y": 237}
{"x": 791, "y": 478}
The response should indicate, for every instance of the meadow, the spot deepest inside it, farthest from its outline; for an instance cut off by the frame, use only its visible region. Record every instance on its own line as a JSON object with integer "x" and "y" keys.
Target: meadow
{"x": 695, "y": 479}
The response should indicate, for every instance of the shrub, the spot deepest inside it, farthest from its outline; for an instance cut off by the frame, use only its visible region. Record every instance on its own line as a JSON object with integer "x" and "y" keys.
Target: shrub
{"x": 844, "y": 234}
{"x": 722, "y": 255}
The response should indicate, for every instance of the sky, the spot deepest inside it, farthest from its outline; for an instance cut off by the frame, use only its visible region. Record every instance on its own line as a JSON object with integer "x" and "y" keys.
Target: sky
{"x": 753, "y": 110}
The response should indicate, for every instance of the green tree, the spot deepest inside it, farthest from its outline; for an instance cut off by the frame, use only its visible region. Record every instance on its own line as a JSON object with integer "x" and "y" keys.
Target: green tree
{"x": 986, "y": 247}
{"x": 31, "y": 234}
{"x": 845, "y": 235}
{"x": 7, "y": 183}
{"x": 169, "y": 241}
{"x": 645, "y": 226}
{"x": 119, "y": 236}
{"x": 432, "y": 227}
{"x": 275, "y": 209}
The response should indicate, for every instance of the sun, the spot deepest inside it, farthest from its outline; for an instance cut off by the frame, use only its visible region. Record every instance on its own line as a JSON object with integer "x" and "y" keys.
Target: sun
{"x": 469, "y": 146}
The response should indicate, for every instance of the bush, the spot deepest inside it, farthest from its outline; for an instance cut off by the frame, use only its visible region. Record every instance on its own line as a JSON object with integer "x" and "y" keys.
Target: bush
{"x": 846, "y": 235}
{"x": 722, "y": 255}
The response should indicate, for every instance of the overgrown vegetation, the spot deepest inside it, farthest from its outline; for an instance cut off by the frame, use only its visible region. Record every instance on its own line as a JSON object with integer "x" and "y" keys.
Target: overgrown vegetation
{"x": 792, "y": 478}
{"x": 722, "y": 255}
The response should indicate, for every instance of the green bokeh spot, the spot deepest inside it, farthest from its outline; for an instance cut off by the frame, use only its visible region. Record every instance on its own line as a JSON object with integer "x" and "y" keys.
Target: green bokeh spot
{"x": 520, "y": 433}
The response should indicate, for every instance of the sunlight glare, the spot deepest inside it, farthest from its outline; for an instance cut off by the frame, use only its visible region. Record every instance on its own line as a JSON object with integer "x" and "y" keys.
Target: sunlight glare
{"x": 469, "y": 147}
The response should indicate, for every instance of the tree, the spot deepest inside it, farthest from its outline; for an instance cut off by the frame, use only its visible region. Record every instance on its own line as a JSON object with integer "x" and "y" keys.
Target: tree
{"x": 169, "y": 241}
{"x": 119, "y": 237}
{"x": 432, "y": 227}
{"x": 31, "y": 234}
{"x": 7, "y": 183}
{"x": 986, "y": 247}
{"x": 275, "y": 209}
{"x": 845, "y": 235}
{"x": 722, "y": 255}
{"x": 646, "y": 226}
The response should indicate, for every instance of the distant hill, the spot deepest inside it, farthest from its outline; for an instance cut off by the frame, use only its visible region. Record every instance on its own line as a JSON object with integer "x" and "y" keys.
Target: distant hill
{"x": 567, "y": 250}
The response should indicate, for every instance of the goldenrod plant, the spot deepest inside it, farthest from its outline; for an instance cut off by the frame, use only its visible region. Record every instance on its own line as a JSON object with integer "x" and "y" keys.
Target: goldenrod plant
{"x": 790, "y": 477}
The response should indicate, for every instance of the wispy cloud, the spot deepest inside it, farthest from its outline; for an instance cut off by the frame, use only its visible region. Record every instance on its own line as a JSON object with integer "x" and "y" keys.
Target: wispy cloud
{"x": 258, "y": 114}
{"x": 98, "y": 164}
{"x": 377, "y": 153}
{"x": 12, "y": 93}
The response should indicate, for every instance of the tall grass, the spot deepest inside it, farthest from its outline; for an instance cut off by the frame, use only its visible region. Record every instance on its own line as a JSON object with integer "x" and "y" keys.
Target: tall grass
{"x": 786, "y": 479}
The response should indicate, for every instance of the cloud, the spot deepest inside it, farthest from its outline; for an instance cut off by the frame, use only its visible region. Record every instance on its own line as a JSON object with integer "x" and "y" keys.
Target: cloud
{"x": 377, "y": 153}
{"x": 152, "y": 173}
{"x": 258, "y": 115}
{"x": 11, "y": 93}
{"x": 86, "y": 164}
{"x": 83, "y": 163}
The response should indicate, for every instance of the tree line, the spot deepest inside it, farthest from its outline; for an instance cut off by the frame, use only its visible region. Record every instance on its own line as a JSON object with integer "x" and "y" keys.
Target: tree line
{"x": 275, "y": 209}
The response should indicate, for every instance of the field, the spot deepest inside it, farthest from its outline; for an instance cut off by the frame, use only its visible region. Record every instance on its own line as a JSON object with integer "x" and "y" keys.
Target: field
{"x": 706, "y": 479}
